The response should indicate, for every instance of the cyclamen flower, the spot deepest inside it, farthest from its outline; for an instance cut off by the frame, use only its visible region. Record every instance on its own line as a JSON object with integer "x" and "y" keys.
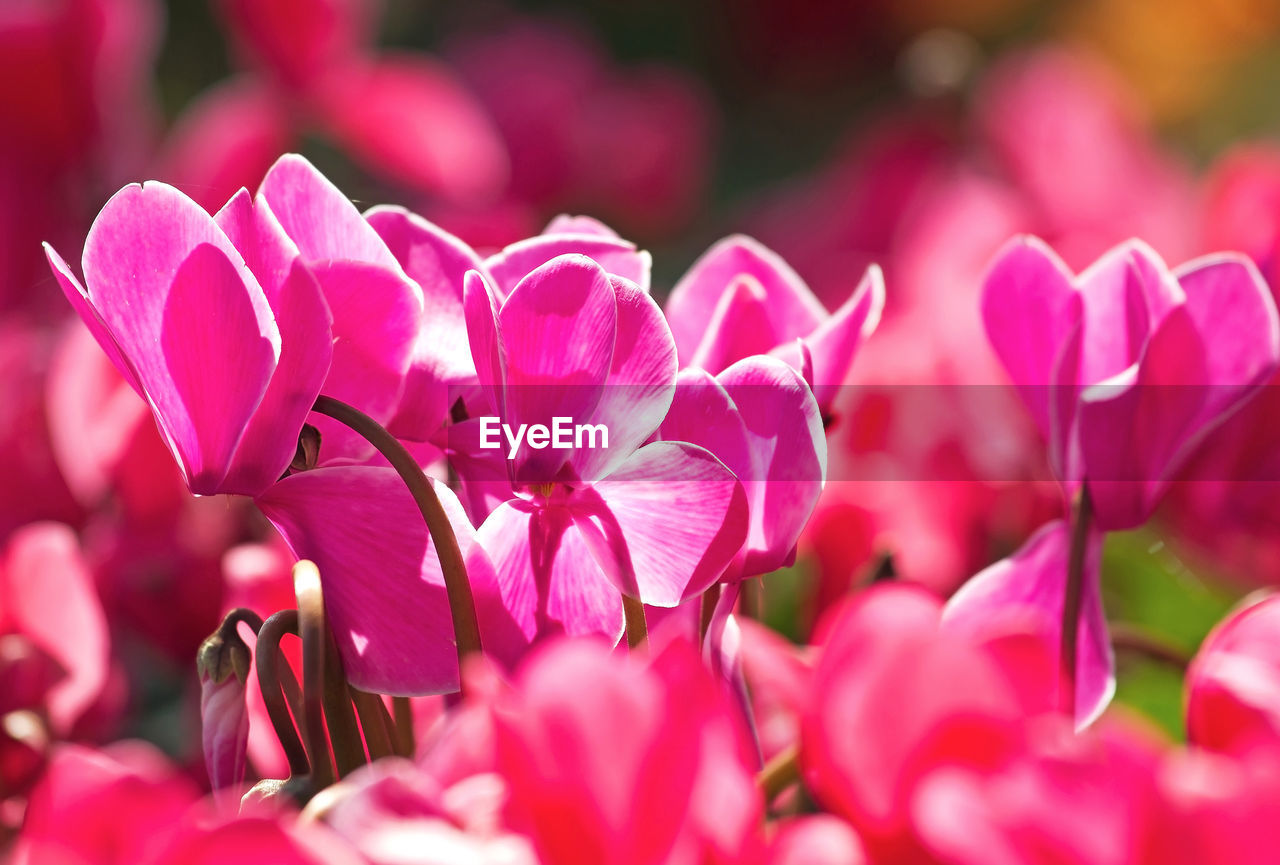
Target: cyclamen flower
{"x": 1127, "y": 366}
{"x": 583, "y": 526}
{"x": 741, "y": 299}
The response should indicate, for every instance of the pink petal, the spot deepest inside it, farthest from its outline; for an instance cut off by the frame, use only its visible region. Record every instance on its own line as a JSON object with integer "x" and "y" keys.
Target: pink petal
{"x": 1136, "y": 429}
{"x": 793, "y": 309}
{"x": 407, "y": 117}
{"x": 1030, "y": 309}
{"x": 485, "y": 337}
{"x": 299, "y": 41}
{"x": 618, "y": 257}
{"x": 558, "y": 330}
{"x": 160, "y": 270}
{"x": 384, "y": 591}
{"x": 1126, "y": 294}
{"x": 1233, "y": 698}
{"x": 1024, "y": 594}
{"x": 641, "y": 382}
{"x": 548, "y": 580}
{"x": 376, "y": 316}
{"x": 673, "y": 519}
{"x": 818, "y": 839}
{"x": 835, "y": 343}
{"x": 47, "y": 594}
{"x": 566, "y": 224}
{"x": 740, "y": 326}
{"x": 306, "y": 343}
{"x": 319, "y": 218}
{"x": 789, "y": 457}
{"x": 80, "y": 302}
{"x": 704, "y": 414}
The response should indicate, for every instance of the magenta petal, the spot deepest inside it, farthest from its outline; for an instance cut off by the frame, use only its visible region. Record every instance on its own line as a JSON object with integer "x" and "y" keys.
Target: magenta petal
{"x": 789, "y": 457}
{"x": 618, "y": 257}
{"x": 641, "y": 382}
{"x": 558, "y": 330}
{"x": 376, "y": 316}
{"x": 834, "y": 344}
{"x": 160, "y": 271}
{"x": 485, "y": 336}
{"x": 47, "y": 595}
{"x": 318, "y": 217}
{"x": 740, "y": 326}
{"x": 1024, "y": 593}
{"x": 682, "y": 515}
{"x": 80, "y": 302}
{"x": 1126, "y": 294}
{"x": 384, "y": 591}
{"x": 1233, "y": 312}
{"x": 438, "y": 262}
{"x": 566, "y": 224}
{"x": 306, "y": 343}
{"x": 1031, "y": 309}
{"x": 1136, "y": 429}
{"x": 224, "y": 730}
{"x": 793, "y": 309}
{"x": 704, "y": 414}
{"x": 548, "y": 580}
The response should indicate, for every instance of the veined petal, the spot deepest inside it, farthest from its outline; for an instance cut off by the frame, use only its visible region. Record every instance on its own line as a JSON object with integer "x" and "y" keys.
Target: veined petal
{"x": 306, "y": 343}
{"x": 1024, "y": 593}
{"x": 484, "y": 333}
{"x": 548, "y": 580}
{"x": 319, "y": 218}
{"x": 618, "y": 257}
{"x": 681, "y": 516}
{"x": 160, "y": 271}
{"x": 89, "y": 314}
{"x": 834, "y": 344}
{"x": 383, "y": 588}
{"x": 558, "y": 329}
{"x": 793, "y": 309}
{"x": 789, "y": 447}
{"x": 641, "y": 382}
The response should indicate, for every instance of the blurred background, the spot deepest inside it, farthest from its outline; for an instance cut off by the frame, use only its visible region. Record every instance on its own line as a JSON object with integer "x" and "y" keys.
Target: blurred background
{"x": 918, "y": 134}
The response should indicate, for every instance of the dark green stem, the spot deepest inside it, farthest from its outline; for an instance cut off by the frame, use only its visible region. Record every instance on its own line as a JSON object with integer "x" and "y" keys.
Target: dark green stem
{"x": 1081, "y": 517}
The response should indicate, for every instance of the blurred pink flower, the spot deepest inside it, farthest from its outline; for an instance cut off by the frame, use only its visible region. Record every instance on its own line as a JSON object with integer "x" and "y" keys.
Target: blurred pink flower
{"x": 1233, "y": 685}
{"x": 1128, "y": 365}
{"x": 596, "y": 747}
{"x": 403, "y": 116}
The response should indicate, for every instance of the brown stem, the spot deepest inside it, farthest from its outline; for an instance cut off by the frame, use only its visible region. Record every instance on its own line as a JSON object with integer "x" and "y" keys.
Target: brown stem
{"x": 1082, "y": 515}
{"x": 462, "y": 607}
{"x": 637, "y": 629}
{"x": 306, "y": 581}
{"x": 344, "y": 735}
{"x": 270, "y": 664}
{"x": 779, "y": 773}
{"x": 375, "y": 721}
{"x": 405, "y": 745}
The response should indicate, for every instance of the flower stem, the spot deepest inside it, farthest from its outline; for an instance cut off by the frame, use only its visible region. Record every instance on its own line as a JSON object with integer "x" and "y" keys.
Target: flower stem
{"x": 405, "y": 746}
{"x": 462, "y": 607}
{"x": 270, "y": 666}
{"x": 779, "y": 773}
{"x": 707, "y": 611}
{"x": 375, "y": 721}
{"x": 306, "y": 581}
{"x": 637, "y": 629}
{"x": 1140, "y": 641}
{"x": 1081, "y": 517}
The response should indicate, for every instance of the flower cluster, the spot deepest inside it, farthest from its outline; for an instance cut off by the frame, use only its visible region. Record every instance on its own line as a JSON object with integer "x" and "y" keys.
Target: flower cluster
{"x": 349, "y": 372}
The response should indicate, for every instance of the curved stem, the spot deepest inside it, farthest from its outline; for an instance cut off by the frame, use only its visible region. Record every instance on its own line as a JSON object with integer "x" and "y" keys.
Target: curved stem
{"x": 306, "y": 581}
{"x": 707, "y": 611}
{"x": 1082, "y": 515}
{"x": 462, "y": 606}
{"x": 1140, "y": 641}
{"x": 780, "y": 773}
{"x": 637, "y": 628}
{"x": 375, "y": 721}
{"x": 344, "y": 735}
{"x": 270, "y": 662}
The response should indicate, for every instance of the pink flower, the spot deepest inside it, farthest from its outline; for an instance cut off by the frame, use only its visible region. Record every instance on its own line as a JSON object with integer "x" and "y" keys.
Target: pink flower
{"x": 1233, "y": 685}
{"x": 658, "y": 522}
{"x": 1024, "y": 594}
{"x": 1128, "y": 365}
{"x": 596, "y": 748}
{"x": 741, "y": 299}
